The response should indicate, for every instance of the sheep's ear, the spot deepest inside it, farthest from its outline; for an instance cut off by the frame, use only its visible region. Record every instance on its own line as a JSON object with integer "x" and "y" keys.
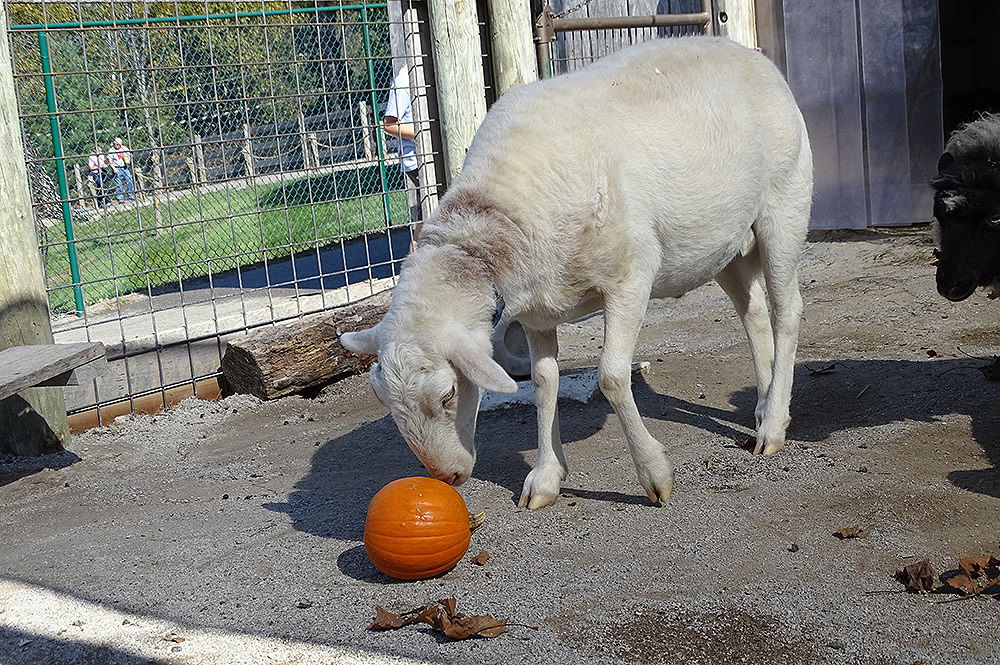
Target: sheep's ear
{"x": 362, "y": 341}
{"x": 945, "y": 163}
{"x": 479, "y": 367}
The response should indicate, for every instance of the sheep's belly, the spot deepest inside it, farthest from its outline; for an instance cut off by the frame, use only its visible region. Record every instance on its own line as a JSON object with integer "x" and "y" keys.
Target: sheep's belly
{"x": 676, "y": 277}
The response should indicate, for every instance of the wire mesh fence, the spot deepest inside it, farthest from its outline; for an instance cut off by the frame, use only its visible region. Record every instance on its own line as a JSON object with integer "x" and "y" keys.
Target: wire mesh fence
{"x": 198, "y": 169}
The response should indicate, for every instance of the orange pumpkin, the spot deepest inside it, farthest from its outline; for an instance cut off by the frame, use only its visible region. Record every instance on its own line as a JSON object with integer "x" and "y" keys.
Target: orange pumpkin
{"x": 416, "y": 528}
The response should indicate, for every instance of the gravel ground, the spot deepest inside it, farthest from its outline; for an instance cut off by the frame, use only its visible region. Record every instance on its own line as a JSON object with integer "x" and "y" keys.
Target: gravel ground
{"x": 239, "y": 522}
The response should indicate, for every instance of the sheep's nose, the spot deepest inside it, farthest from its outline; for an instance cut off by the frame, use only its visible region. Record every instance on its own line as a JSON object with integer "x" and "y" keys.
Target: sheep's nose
{"x": 458, "y": 478}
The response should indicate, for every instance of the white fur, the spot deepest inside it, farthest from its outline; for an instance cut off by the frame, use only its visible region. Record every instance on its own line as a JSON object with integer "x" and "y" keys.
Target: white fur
{"x": 649, "y": 173}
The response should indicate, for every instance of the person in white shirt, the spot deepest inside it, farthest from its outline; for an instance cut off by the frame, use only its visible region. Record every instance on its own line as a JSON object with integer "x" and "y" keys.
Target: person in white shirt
{"x": 398, "y": 122}
{"x": 97, "y": 164}
{"x": 120, "y": 158}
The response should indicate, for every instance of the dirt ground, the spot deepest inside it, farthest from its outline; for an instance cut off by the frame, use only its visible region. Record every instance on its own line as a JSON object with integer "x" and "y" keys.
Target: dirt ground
{"x": 237, "y": 524}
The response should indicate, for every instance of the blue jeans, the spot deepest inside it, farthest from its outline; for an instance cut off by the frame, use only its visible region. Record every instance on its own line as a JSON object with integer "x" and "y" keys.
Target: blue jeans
{"x": 124, "y": 183}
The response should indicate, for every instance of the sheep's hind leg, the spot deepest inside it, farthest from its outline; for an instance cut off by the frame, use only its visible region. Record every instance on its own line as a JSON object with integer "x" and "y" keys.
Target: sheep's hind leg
{"x": 741, "y": 282}
{"x": 780, "y": 249}
{"x": 623, "y": 315}
{"x": 541, "y": 487}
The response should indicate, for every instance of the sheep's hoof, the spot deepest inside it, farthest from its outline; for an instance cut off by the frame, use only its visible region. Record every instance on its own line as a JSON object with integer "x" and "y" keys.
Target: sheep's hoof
{"x": 541, "y": 487}
{"x": 769, "y": 448}
{"x": 658, "y": 482}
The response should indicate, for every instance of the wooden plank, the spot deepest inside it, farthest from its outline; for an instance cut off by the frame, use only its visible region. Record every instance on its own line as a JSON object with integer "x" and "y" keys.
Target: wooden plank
{"x": 23, "y": 367}
{"x": 81, "y": 375}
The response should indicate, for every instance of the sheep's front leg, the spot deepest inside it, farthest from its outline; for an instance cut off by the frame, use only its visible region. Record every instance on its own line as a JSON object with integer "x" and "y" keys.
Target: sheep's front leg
{"x": 541, "y": 487}
{"x": 622, "y": 319}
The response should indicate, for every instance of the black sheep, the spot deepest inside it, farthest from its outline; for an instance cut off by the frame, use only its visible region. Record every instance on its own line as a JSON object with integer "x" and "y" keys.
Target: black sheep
{"x": 967, "y": 210}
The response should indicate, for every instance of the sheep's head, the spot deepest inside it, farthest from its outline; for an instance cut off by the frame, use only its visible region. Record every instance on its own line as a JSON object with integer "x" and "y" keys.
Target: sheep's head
{"x": 432, "y": 388}
{"x": 967, "y": 225}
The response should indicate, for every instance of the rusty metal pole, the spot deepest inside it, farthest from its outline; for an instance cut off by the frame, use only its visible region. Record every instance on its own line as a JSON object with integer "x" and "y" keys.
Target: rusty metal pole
{"x": 545, "y": 34}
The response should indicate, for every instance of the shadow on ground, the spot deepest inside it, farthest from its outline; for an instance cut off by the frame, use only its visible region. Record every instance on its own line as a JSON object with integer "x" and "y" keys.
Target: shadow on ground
{"x": 21, "y": 648}
{"x": 845, "y": 394}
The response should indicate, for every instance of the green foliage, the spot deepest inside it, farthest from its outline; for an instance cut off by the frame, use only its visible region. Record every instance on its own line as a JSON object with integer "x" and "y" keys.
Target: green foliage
{"x": 121, "y": 251}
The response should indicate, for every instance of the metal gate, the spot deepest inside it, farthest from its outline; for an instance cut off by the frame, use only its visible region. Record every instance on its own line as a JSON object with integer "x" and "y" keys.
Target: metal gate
{"x": 201, "y": 169}
{"x": 564, "y": 44}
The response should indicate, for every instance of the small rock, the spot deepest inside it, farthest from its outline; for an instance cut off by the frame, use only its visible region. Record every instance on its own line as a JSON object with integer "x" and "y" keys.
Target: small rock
{"x": 23, "y": 643}
{"x": 836, "y": 644}
{"x": 175, "y": 648}
{"x": 862, "y": 469}
{"x": 225, "y": 496}
{"x": 793, "y": 548}
{"x": 571, "y": 503}
{"x": 304, "y": 604}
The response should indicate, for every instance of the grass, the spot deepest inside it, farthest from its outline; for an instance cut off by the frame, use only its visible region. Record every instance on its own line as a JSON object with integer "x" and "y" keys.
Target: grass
{"x": 120, "y": 251}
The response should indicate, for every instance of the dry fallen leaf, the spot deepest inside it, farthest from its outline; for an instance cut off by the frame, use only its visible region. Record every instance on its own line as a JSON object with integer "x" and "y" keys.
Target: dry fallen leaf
{"x": 826, "y": 369}
{"x": 481, "y": 558}
{"x": 918, "y": 576}
{"x": 443, "y": 617}
{"x": 970, "y": 569}
{"x": 849, "y": 532}
{"x": 931, "y": 353}
{"x": 171, "y": 637}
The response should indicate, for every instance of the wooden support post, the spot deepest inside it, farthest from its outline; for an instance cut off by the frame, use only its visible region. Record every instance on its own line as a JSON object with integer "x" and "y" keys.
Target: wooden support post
{"x": 199, "y": 160}
{"x": 248, "y": 152}
{"x": 513, "y": 49}
{"x": 737, "y": 20}
{"x": 461, "y": 87}
{"x": 33, "y": 421}
{"x": 157, "y": 189}
{"x": 313, "y": 148}
{"x": 95, "y": 199}
{"x": 366, "y": 130}
{"x": 304, "y": 142}
{"x": 78, "y": 175}
{"x": 192, "y": 171}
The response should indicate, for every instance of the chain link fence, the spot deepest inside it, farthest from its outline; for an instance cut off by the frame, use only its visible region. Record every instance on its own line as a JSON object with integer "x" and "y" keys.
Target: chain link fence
{"x": 198, "y": 169}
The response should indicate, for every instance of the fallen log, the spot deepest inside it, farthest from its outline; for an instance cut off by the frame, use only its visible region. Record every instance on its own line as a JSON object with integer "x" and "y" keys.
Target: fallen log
{"x": 291, "y": 358}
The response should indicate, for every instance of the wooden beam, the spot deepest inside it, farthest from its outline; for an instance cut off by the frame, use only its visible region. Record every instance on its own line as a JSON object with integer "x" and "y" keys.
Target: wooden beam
{"x": 33, "y": 422}
{"x": 461, "y": 86}
{"x": 737, "y": 20}
{"x": 513, "y": 49}
{"x": 35, "y": 365}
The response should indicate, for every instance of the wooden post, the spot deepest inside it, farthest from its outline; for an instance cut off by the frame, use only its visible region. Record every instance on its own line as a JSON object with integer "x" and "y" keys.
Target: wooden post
{"x": 248, "y": 152}
{"x": 313, "y": 148}
{"x": 366, "y": 130}
{"x": 33, "y": 421}
{"x": 157, "y": 188}
{"x": 513, "y": 48}
{"x": 199, "y": 160}
{"x": 79, "y": 185}
{"x": 303, "y": 141}
{"x": 737, "y": 20}
{"x": 461, "y": 87}
{"x": 192, "y": 172}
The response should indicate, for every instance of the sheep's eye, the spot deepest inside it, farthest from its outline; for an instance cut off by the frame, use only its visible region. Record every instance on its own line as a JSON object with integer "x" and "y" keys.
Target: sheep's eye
{"x": 449, "y": 397}
{"x": 995, "y": 222}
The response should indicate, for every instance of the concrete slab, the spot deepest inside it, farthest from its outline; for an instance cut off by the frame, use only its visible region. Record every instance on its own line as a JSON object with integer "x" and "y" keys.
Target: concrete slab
{"x": 218, "y": 519}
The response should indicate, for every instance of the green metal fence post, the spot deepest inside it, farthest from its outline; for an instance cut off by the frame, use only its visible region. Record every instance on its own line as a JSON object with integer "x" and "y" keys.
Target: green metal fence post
{"x": 50, "y": 103}
{"x": 378, "y": 134}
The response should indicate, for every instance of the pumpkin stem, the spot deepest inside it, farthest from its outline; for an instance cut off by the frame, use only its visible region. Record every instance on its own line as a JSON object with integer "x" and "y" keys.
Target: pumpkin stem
{"x": 476, "y": 521}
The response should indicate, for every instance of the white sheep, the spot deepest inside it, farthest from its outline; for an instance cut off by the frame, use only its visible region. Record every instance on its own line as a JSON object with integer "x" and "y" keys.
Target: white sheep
{"x": 648, "y": 173}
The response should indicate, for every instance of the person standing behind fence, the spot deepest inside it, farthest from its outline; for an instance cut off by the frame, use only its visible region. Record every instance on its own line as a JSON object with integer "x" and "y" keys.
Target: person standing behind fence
{"x": 121, "y": 161}
{"x": 397, "y": 121}
{"x": 97, "y": 164}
